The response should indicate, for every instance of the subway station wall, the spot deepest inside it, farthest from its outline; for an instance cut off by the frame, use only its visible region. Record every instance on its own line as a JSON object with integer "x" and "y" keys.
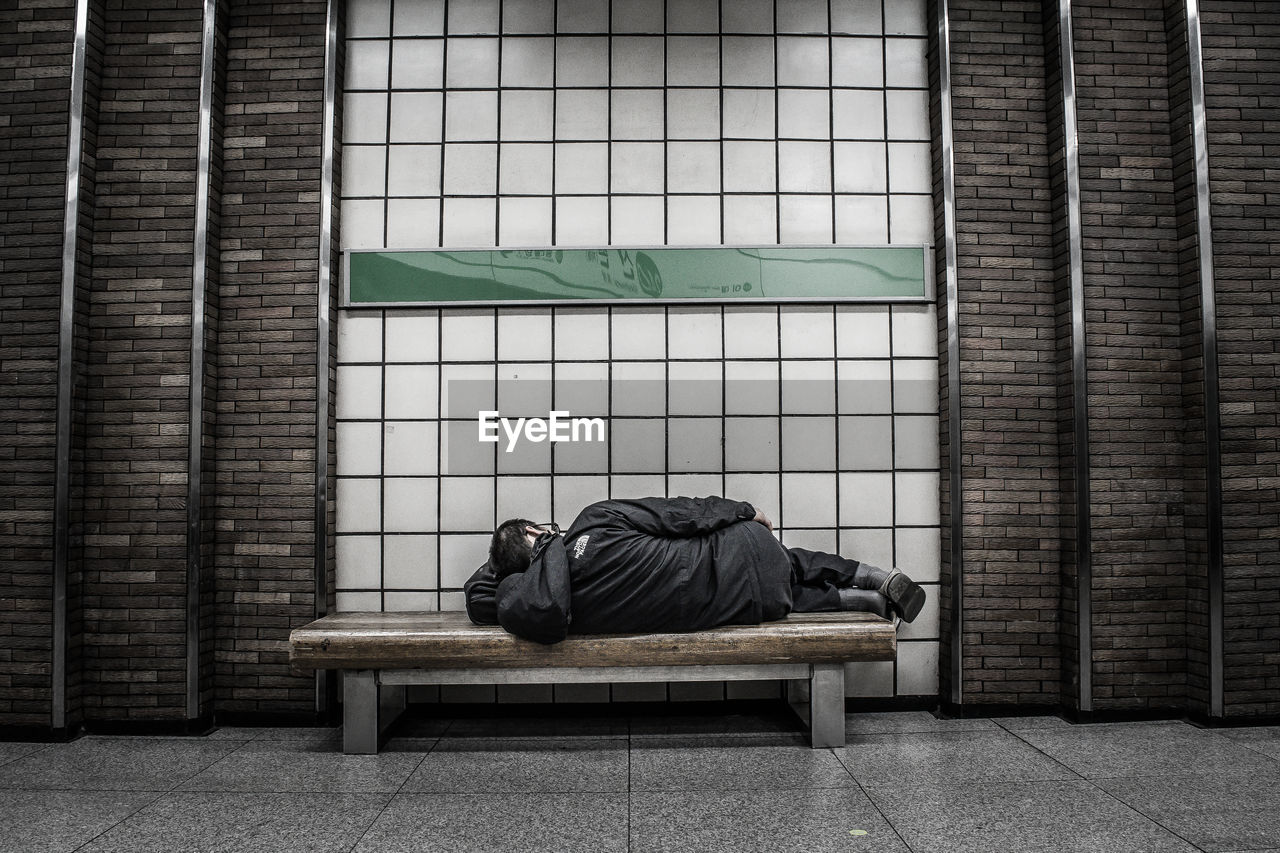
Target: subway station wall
{"x": 534, "y": 124}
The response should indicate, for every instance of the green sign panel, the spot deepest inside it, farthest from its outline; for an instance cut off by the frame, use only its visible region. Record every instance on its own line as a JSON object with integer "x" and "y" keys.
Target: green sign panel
{"x": 829, "y": 273}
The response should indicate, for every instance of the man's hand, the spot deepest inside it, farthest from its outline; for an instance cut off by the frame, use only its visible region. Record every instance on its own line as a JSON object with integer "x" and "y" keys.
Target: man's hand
{"x": 763, "y": 519}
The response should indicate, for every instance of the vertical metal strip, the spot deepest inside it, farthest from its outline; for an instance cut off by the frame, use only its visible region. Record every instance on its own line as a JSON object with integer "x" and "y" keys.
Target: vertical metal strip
{"x": 323, "y": 287}
{"x": 195, "y": 387}
{"x": 955, "y": 436}
{"x": 1079, "y": 366}
{"x": 1209, "y": 343}
{"x": 66, "y": 372}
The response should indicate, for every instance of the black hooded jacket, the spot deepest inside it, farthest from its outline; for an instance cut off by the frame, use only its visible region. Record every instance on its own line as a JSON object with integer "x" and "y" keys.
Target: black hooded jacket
{"x": 645, "y": 565}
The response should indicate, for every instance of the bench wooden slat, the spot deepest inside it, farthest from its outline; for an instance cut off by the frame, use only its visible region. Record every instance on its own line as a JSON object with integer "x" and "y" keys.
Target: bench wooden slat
{"x": 449, "y": 640}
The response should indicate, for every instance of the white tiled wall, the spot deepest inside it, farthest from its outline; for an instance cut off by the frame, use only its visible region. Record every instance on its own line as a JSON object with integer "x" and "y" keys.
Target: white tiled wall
{"x": 534, "y": 123}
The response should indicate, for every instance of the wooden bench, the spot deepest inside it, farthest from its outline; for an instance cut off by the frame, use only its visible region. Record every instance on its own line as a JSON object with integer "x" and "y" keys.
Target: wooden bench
{"x": 381, "y": 653}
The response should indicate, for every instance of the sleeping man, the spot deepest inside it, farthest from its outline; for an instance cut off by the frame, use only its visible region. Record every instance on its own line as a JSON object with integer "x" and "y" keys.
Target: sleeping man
{"x": 667, "y": 564}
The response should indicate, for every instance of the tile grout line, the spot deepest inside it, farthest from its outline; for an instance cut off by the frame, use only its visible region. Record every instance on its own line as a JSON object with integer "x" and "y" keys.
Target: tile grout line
{"x": 873, "y": 803}
{"x": 391, "y": 799}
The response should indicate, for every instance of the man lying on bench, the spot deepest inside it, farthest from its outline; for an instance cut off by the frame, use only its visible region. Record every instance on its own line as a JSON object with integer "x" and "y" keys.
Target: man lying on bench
{"x": 667, "y": 564}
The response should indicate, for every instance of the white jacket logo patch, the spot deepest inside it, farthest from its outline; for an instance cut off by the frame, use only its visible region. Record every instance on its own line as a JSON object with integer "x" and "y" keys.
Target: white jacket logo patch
{"x": 580, "y": 545}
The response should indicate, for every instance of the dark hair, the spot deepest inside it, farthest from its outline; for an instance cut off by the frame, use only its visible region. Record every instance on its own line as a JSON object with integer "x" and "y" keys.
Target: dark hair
{"x": 509, "y": 552}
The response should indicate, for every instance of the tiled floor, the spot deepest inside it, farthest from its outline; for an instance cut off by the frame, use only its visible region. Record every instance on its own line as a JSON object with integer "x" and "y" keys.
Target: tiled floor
{"x": 905, "y": 782}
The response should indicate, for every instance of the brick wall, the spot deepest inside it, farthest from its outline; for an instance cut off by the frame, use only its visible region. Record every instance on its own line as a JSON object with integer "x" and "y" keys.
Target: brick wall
{"x": 35, "y": 72}
{"x": 1241, "y": 50}
{"x": 267, "y": 385}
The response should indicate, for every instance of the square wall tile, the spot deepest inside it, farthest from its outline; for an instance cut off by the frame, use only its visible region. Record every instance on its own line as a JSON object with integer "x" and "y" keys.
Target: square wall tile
{"x": 582, "y": 16}
{"x": 695, "y": 485}
{"x": 908, "y": 113}
{"x": 364, "y": 170}
{"x": 905, "y": 63}
{"x": 524, "y": 334}
{"x": 804, "y": 219}
{"x": 862, "y": 220}
{"x": 417, "y": 63}
{"x": 909, "y": 167}
{"x": 638, "y": 60}
{"x": 807, "y": 332}
{"x": 752, "y": 388}
{"x": 806, "y": 167}
{"x": 637, "y": 485}
{"x": 762, "y": 491}
{"x": 369, "y": 19}
{"x": 410, "y": 505}
{"x": 637, "y": 114}
{"x": 915, "y": 386}
{"x": 866, "y": 443}
{"x": 357, "y": 602}
{"x": 862, "y": 331}
{"x": 809, "y": 500}
{"x": 638, "y": 389}
{"x": 461, "y": 451}
{"x": 362, "y": 224}
{"x": 694, "y": 388}
{"x": 359, "y": 562}
{"x": 694, "y": 332}
{"x": 637, "y": 220}
{"x": 359, "y": 393}
{"x": 803, "y": 61}
{"x": 927, "y": 623}
{"x": 413, "y": 335}
{"x": 471, "y": 63}
{"x": 869, "y": 679}
{"x": 749, "y": 61}
{"x": 693, "y": 114}
{"x": 752, "y": 444}
{"x": 416, "y": 117}
{"x": 916, "y": 497}
{"x": 861, "y": 167}
{"x": 582, "y": 61}
{"x": 694, "y": 167}
{"x": 413, "y": 391}
{"x": 749, "y": 114}
{"x": 527, "y": 115}
{"x": 919, "y": 552}
{"x": 470, "y": 169}
{"x": 367, "y": 64}
{"x": 582, "y": 167}
{"x": 453, "y": 601}
{"x": 911, "y": 220}
{"x": 639, "y": 333}
{"x": 587, "y": 455}
{"x": 582, "y": 221}
{"x": 916, "y": 442}
{"x": 523, "y": 497}
{"x": 750, "y": 220}
{"x": 692, "y": 16}
{"x": 751, "y": 167}
{"x": 475, "y": 16}
{"x": 805, "y": 114}
{"x": 857, "y": 62}
{"x": 918, "y": 668}
{"x": 413, "y": 223}
{"x": 524, "y": 222}
{"x": 460, "y": 556}
{"x": 466, "y": 503}
{"x": 410, "y": 448}
{"x": 409, "y": 562}
{"x": 359, "y": 452}
{"x": 582, "y": 388}
{"x": 638, "y": 446}
{"x": 359, "y": 506}
{"x": 528, "y": 16}
{"x": 528, "y": 62}
{"x": 747, "y": 16}
{"x": 468, "y": 335}
{"x": 365, "y": 118}
{"x": 874, "y": 545}
{"x": 808, "y": 444}
{"x": 693, "y": 220}
{"x": 637, "y": 167}
{"x": 469, "y": 222}
{"x": 813, "y": 540}
{"x": 693, "y": 61}
{"x": 694, "y": 444}
{"x": 410, "y": 602}
{"x": 525, "y": 457}
{"x": 525, "y": 168}
{"x": 857, "y": 114}
{"x": 864, "y": 388}
{"x": 808, "y": 388}
{"x": 802, "y": 16}
{"x": 422, "y": 18}
{"x": 581, "y": 333}
{"x": 866, "y": 500}
{"x": 857, "y": 17}
{"x": 412, "y": 170}
{"x": 572, "y": 494}
{"x": 582, "y": 114}
{"x": 359, "y": 336}
{"x": 751, "y": 331}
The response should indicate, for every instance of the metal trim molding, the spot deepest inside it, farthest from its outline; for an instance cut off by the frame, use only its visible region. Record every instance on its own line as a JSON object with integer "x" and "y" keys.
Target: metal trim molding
{"x": 954, "y": 432}
{"x": 1209, "y": 343}
{"x": 1079, "y": 365}
{"x": 66, "y": 370}
{"x": 195, "y": 387}
{"x": 323, "y": 291}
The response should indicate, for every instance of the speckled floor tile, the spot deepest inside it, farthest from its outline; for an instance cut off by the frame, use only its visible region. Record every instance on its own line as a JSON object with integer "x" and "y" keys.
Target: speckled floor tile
{"x": 564, "y": 765}
{"x": 1145, "y": 749}
{"x": 1027, "y": 817}
{"x": 939, "y": 757}
{"x": 779, "y": 821}
{"x": 471, "y": 823}
{"x": 301, "y": 767}
{"x": 1239, "y": 811}
{"x": 1264, "y": 739}
{"x": 244, "y": 823}
{"x": 1039, "y": 721}
{"x": 901, "y": 722}
{"x": 49, "y": 821}
{"x": 673, "y": 764}
{"x": 114, "y": 764}
{"x": 13, "y": 750}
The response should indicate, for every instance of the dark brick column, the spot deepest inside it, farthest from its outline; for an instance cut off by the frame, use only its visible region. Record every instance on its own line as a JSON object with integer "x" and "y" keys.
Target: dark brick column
{"x": 1007, "y": 350}
{"x": 1241, "y": 42}
{"x": 267, "y": 384}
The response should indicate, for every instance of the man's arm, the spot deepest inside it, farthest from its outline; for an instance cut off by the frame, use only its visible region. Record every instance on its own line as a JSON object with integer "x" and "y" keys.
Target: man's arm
{"x": 534, "y": 604}
{"x": 481, "y": 591}
{"x": 674, "y": 517}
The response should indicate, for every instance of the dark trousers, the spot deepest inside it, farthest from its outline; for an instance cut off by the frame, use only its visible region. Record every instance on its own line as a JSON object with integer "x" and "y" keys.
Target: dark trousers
{"x": 817, "y": 578}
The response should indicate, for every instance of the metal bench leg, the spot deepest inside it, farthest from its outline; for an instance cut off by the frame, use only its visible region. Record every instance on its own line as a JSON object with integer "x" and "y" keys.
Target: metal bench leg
{"x": 826, "y": 705}
{"x": 359, "y": 712}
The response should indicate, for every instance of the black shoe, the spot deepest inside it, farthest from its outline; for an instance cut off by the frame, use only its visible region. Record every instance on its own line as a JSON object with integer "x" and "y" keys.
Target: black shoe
{"x": 906, "y": 596}
{"x": 865, "y": 601}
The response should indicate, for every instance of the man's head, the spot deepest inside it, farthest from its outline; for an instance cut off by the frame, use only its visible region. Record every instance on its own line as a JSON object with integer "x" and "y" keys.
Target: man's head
{"x": 512, "y": 547}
